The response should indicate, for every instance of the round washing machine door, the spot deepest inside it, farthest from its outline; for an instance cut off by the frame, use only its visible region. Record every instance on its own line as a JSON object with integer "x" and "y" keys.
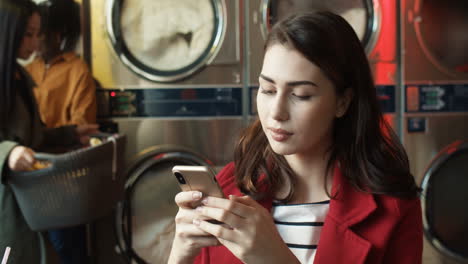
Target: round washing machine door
{"x": 166, "y": 40}
{"x": 363, "y": 15}
{"x": 145, "y": 219}
{"x": 444, "y": 201}
{"x": 442, "y": 31}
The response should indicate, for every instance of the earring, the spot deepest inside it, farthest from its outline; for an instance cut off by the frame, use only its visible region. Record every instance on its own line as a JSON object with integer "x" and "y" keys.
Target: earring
{"x": 340, "y": 113}
{"x": 62, "y": 44}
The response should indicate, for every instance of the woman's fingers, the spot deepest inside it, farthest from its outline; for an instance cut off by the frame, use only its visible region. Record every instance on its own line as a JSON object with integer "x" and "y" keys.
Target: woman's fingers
{"x": 21, "y": 158}
{"x": 233, "y": 213}
{"x": 233, "y": 207}
{"x": 226, "y": 217}
{"x": 188, "y": 230}
{"x": 222, "y": 232}
{"x": 188, "y": 199}
{"x": 29, "y": 156}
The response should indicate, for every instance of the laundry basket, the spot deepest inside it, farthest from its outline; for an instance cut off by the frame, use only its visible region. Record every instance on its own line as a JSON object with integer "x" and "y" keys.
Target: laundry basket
{"x": 77, "y": 187}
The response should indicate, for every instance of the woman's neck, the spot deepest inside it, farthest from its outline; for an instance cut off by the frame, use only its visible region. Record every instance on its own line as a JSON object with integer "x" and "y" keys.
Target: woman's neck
{"x": 311, "y": 175}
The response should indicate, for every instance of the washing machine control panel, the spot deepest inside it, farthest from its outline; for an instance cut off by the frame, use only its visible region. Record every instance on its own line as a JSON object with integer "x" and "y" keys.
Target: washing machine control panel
{"x": 170, "y": 102}
{"x": 437, "y": 98}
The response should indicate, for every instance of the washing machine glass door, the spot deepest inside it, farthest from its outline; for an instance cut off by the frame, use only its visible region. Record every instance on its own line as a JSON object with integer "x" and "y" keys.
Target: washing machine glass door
{"x": 444, "y": 201}
{"x": 145, "y": 220}
{"x": 442, "y": 31}
{"x": 361, "y": 14}
{"x": 166, "y": 40}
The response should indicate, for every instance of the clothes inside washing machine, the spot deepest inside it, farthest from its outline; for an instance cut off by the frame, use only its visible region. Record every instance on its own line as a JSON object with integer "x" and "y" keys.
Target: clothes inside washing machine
{"x": 166, "y": 40}
{"x": 445, "y": 201}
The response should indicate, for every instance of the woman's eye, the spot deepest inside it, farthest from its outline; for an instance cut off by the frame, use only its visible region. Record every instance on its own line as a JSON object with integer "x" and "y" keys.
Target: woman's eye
{"x": 267, "y": 91}
{"x": 302, "y": 97}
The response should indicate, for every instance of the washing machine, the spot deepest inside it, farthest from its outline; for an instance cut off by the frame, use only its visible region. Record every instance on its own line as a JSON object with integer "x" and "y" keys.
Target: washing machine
{"x": 170, "y": 72}
{"x": 373, "y": 20}
{"x": 436, "y": 119}
{"x": 170, "y": 77}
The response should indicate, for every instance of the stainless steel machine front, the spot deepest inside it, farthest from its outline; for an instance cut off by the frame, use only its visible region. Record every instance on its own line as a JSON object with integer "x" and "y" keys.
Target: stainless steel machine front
{"x": 170, "y": 74}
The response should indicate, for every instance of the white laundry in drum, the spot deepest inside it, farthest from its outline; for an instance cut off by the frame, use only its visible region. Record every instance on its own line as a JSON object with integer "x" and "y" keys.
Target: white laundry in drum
{"x": 153, "y": 212}
{"x": 166, "y": 34}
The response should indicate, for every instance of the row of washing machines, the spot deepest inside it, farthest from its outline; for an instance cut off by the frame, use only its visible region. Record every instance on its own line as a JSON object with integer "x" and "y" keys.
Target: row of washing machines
{"x": 179, "y": 79}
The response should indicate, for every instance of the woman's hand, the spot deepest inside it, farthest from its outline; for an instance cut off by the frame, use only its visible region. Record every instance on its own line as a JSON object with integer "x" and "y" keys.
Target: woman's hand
{"x": 84, "y": 131}
{"x": 21, "y": 158}
{"x": 189, "y": 239}
{"x": 249, "y": 231}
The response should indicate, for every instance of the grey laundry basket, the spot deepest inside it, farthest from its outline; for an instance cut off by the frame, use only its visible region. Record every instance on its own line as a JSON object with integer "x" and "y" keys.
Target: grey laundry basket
{"x": 77, "y": 188}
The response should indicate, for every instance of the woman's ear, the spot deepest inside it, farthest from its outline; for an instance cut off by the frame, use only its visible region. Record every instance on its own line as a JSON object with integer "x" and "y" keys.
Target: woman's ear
{"x": 343, "y": 102}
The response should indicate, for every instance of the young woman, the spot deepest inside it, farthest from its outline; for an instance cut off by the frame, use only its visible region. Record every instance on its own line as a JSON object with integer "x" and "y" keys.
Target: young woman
{"x": 66, "y": 95}
{"x": 21, "y": 131}
{"x": 65, "y": 91}
{"x": 320, "y": 177}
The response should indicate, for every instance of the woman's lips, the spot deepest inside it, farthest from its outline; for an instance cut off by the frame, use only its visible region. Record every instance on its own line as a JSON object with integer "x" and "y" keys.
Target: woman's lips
{"x": 279, "y": 134}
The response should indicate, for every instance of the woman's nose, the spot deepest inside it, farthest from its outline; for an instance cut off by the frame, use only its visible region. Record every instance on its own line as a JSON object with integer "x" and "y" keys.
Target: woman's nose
{"x": 280, "y": 108}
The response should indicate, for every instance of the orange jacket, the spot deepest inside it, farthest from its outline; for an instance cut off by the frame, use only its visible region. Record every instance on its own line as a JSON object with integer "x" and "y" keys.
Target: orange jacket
{"x": 359, "y": 228}
{"x": 65, "y": 91}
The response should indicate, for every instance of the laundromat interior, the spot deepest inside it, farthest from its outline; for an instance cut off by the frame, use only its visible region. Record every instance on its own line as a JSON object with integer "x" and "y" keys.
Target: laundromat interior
{"x": 187, "y": 104}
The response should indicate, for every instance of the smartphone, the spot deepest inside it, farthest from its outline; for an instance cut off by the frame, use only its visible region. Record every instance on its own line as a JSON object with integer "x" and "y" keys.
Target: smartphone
{"x": 197, "y": 178}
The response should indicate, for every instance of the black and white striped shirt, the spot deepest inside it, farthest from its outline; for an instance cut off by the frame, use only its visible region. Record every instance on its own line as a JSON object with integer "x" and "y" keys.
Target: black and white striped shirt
{"x": 300, "y": 226}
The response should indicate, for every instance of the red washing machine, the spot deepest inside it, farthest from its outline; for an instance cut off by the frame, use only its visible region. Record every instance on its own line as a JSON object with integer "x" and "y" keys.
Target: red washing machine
{"x": 436, "y": 121}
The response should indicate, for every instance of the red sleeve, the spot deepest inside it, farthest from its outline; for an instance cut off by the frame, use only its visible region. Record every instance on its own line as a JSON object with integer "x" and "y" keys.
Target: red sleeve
{"x": 406, "y": 244}
{"x": 227, "y": 180}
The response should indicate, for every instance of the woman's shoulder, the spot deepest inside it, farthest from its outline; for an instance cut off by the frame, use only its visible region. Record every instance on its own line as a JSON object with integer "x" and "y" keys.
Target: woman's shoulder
{"x": 397, "y": 206}
{"x": 76, "y": 62}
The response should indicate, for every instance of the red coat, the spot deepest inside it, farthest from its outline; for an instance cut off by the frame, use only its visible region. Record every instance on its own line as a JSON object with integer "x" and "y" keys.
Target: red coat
{"x": 359, "y": 227}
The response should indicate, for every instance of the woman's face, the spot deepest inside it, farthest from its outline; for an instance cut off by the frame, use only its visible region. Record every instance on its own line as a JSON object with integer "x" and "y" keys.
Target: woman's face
{"x": 297, "y": 104}
{"x": 31, "y": 38}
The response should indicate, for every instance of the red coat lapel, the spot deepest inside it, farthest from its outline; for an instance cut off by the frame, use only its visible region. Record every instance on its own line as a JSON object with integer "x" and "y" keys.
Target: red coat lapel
{"x": 338, "y": 243}
{"x": 347, "y": 209}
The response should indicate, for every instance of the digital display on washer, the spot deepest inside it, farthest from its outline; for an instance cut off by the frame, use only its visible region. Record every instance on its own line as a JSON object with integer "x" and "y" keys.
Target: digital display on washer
{"x": 166, "y": 40}
{"x": 359, "y": 13}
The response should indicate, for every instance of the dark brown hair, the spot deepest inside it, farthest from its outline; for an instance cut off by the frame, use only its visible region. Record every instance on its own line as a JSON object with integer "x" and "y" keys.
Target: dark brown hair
{"x": 14, "y": 15}
{"x": 370, "y": 155}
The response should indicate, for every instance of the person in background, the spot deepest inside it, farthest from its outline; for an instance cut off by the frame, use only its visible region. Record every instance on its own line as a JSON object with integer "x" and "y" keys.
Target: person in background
{"x": 65, "y": 91}
{"x": 21, "y": 130}
{"x": 32, "y": 36}
{"x": 320, "y": 177}
{"x": 66, "y": 95}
